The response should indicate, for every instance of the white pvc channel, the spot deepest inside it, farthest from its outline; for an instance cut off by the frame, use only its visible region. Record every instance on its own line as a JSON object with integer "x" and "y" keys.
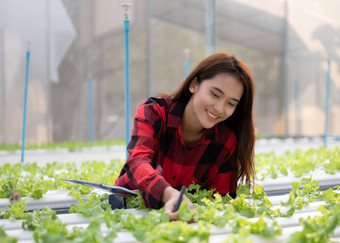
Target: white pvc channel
{"x": 104, "y": 153}
{"x": 289, "y": 225}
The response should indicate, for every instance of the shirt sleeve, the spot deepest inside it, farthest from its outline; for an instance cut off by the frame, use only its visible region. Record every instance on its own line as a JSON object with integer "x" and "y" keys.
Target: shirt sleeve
{"x": 143, "y": 172}
{"x": 226, "y": 178}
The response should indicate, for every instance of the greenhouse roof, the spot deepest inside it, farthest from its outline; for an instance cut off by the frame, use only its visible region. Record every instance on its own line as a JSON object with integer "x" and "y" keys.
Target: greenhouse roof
{"x": 248, "y": 24}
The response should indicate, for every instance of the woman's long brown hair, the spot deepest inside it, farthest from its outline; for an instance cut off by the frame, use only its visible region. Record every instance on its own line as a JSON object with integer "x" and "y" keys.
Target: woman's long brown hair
{"x": 241, "y": 122}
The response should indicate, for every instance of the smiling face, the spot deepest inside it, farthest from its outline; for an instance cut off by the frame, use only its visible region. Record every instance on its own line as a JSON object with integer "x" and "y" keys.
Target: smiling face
{"x": 212, "y": 101}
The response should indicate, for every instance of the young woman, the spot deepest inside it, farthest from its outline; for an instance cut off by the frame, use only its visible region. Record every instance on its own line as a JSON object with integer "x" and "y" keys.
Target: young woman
{"x": 201, "y": 133}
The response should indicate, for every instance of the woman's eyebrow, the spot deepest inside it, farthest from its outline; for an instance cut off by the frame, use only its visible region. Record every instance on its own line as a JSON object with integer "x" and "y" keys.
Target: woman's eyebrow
{"x": 219, "y": 90}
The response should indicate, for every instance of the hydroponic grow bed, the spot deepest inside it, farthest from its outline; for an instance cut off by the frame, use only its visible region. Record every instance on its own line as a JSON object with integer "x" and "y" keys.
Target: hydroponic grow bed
{"x": 303, "y": 206}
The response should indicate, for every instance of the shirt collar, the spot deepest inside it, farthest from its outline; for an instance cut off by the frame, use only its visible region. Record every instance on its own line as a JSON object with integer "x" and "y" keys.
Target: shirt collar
{"x": 213, "y": 133}
{"x": 175, "y": 117}
{"x": 175, "y": 114}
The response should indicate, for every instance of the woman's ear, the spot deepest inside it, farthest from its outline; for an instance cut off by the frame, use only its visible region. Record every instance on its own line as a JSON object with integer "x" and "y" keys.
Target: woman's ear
{"x": 193, "y": 86}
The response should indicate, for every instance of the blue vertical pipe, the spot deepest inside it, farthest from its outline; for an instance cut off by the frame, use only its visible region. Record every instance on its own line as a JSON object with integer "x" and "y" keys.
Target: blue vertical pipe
{"x": 127, "y": 86}
{"x": 90, "y": 104}
{"x": 328, "y": 82}
{"x": 186, "y": 67}
{"x": 25, "y": 107}
{"x": 297, "y": 106}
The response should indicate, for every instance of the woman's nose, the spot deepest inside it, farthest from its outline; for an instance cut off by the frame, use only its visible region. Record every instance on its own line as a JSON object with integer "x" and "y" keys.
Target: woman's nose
{"x": 219, "y": 107}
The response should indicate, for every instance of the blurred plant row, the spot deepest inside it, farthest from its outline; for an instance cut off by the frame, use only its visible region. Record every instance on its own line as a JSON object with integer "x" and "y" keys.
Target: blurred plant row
{"x": 71, "y": 146}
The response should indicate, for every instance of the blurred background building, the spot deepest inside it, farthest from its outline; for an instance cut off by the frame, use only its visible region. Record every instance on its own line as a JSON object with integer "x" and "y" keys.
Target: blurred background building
{"x": 286, "y": 44}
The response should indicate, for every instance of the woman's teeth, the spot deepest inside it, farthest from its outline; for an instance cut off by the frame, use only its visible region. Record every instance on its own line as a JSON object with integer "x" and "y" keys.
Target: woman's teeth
{"x": 212, "y": 115}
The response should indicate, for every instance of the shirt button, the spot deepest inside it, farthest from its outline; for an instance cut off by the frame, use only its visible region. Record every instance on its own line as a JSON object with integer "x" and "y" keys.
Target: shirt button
{"x": 182, "y": 151}
{"x": 174, "y": 177}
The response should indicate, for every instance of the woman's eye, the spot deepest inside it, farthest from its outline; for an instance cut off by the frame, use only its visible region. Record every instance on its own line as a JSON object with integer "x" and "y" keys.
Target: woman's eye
{"x": 231, "y": 104}
{"x": 215, "y": 95}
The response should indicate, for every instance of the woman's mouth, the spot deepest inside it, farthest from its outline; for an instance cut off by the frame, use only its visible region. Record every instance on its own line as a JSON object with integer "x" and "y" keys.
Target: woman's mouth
{"x": 212, "y": 116}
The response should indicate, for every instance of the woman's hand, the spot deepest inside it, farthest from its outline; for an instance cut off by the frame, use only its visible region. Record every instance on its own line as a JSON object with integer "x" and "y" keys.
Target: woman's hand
{"x": 170, "y": 197}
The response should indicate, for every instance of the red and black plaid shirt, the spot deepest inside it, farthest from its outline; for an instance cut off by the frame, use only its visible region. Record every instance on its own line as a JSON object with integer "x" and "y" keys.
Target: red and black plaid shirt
{"x": 158, "y": 157}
